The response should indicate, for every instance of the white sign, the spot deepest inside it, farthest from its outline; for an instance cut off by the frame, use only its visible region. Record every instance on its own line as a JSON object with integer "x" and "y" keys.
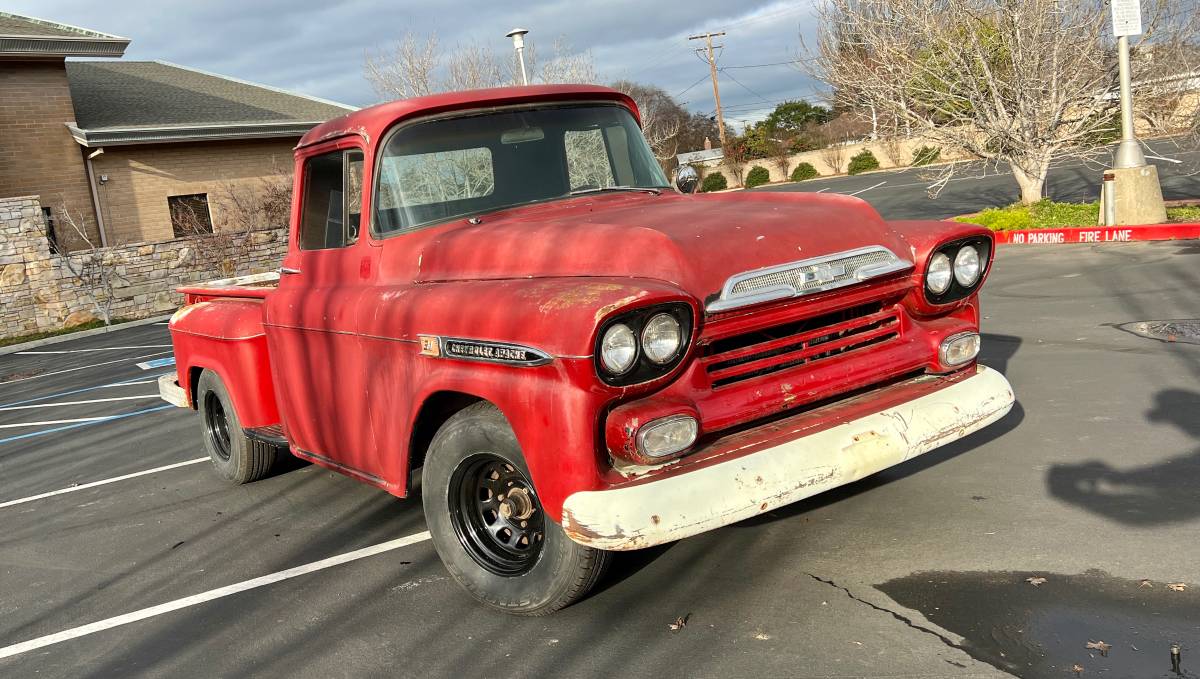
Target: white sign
{"x": 700, "y": 156}
{"x": 1127, "y": 17}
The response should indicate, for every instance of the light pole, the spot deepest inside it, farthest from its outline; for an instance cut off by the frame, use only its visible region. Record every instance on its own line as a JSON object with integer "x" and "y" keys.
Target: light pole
{"x": 1129, "y": 153}
{"x": 518, "y": 38}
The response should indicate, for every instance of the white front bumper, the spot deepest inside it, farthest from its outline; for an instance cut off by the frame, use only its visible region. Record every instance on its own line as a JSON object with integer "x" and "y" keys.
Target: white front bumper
{"x": 170, "y": 391}
{"x": 680, "y": 505}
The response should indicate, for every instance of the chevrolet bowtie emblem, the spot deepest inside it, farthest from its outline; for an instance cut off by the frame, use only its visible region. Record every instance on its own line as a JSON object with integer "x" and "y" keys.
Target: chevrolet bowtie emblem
{"x": 825, "y": 273}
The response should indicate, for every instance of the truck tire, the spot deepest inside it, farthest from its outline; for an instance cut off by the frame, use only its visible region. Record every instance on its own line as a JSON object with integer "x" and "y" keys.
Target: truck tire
{"x": 488, "y": 527}
{"x": 236, "y": 457}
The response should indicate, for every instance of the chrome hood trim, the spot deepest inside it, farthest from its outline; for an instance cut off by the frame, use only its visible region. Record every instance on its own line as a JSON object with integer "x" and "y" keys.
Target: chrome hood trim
{"x": 806, "y": 277}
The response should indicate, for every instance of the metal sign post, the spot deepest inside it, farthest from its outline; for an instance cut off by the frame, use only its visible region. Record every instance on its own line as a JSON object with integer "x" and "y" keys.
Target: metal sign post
{"x": 1127, "y": 21}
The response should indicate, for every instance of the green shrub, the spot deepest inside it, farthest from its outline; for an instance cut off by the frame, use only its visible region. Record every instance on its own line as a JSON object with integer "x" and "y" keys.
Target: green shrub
{"x": 714, "y": 182}
{"x": 1186, "y": 213}
{"x": 926, "y": 155}
{"x": 804, "y": 171}
{"x": 757, "y": 176}
{"x": 1002, "y": 218}
{"x": 863, "y": 161}
{"x": 1047, "y": 214}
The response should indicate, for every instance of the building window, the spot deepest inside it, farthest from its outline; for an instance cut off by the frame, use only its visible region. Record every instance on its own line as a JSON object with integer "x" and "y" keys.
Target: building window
{"x": 51, "y": 235}
{"x": 190, "y": 215}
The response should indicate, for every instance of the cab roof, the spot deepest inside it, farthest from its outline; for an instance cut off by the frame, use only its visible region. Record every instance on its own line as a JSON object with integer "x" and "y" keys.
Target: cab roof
{"x": 370, "y": 123}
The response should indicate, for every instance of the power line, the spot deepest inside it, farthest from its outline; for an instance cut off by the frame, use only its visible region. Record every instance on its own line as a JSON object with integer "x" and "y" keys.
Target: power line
{"x": 685, "y": 90}
{"x": 743, "y": 86}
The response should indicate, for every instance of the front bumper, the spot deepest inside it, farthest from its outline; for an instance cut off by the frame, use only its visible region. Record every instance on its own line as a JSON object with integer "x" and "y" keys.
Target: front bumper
{"x": 170, "y": 391}
{"x": 795, "y": 463}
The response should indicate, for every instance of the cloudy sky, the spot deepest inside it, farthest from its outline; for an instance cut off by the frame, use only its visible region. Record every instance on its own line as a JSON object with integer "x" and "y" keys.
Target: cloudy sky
{"x": 317, "y": 46}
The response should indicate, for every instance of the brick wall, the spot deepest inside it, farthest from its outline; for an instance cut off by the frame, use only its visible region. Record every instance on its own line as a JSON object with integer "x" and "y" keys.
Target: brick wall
{"x": 140, "y": 178}
{"x": 38, "y": 291}
{"x": 37, "y": 153}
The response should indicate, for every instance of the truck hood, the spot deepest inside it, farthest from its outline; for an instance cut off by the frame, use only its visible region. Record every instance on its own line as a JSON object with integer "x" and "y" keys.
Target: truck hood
{"x": 694, "y": 242}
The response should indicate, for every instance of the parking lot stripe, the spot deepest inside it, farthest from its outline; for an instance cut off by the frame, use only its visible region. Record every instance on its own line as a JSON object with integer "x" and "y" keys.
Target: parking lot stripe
{"x": 102, "y": 482}
{"x": 196, "y": 599}
{"x": 136, "y": 380}
{"x": 157, "y": 363}
{"x": 81, "y": 351}
{"x": 84, "y": 424}
{"x": 79, "y": 403}
{"x": 44, "y": 423}
{"x": 82, "y": 367}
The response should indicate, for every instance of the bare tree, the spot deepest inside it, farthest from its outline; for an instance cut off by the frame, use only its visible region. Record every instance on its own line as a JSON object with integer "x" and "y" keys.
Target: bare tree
{"x": 1013, "y": 81}
{"x": 893, "y": 148}
{"x": 415, "y": 66}
{"x": 93, "y": 268}
{"x": 834, "y": 156}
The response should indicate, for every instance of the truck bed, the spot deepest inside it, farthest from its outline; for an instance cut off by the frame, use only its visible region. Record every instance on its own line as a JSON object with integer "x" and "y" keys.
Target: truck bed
{"x": 253, "y": 286}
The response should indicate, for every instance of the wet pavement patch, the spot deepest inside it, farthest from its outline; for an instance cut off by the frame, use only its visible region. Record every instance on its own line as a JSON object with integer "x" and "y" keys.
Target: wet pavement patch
{"x": 1186, "y": 330}
{"x": 1045, "y": 629}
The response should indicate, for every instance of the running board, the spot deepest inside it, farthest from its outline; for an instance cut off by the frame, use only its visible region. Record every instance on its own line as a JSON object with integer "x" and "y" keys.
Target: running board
{"x": 271, "y": 434}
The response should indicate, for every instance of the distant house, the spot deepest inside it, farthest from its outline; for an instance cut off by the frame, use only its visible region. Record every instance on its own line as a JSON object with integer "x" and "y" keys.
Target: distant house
{"x": 127, "y": 144}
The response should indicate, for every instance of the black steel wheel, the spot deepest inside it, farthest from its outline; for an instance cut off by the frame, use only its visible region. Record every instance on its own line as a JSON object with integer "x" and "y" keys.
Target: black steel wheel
{"x": 489, "y": 526}
{"x": 216, "y": 425}
{"x": 496, "y": 514}
{"x": 235, "y": 456}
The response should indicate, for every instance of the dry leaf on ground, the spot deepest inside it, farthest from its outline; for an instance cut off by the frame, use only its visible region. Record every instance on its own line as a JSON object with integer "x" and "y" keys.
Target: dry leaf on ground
{"x": 1035, "y": 580}
{"x": 1099, "y": 646}
{"x": 1176, "y": 586}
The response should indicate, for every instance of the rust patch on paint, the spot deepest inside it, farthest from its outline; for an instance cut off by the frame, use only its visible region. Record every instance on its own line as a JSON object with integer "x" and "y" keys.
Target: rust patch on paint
{"x": 586, "y": 294}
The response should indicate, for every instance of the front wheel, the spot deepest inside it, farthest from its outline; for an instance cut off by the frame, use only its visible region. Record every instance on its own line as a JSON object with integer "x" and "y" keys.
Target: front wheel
{"x": 488, "y": 525}
{"x": 235, "y": 456}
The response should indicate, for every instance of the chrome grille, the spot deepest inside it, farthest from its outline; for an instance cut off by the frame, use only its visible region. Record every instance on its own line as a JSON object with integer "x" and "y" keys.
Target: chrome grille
{"x": 806, "y": 277}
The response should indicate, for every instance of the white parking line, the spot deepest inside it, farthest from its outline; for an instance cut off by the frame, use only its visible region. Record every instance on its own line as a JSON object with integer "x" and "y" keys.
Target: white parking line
{"x": 82, "y": 351}
{"x": 93, "y": 484}
{"x": 80, "y": 403}
{"x": 82, "y": 367}
{"x": 866, "y": 189}
{"x": 48, "y": 422}
{"x": 101, "y": 625}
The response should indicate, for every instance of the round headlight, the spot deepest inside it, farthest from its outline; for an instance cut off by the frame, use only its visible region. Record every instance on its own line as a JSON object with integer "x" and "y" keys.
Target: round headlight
{"x": 938, "y": 277}
{"x": 966, "y": 266}
{"x": 618, "y": 349}
{"x": 661, "y": 338}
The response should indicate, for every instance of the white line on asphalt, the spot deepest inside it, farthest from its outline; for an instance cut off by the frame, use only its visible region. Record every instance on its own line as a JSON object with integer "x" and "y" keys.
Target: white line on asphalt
{"x": 866, "y": 189}
{"x": 81, "y": 351}
{"x": 46, "y": 422}
{"x": 101, "y": 625}
{"x": 93, "y": 484}
{"x": 80, "y": 403}
{"x": 82, "y": 367}
{"x": 823, "y": 190}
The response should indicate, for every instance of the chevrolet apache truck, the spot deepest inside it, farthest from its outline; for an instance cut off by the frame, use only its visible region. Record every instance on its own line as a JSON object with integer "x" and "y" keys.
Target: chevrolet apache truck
{"x": 499, "y": 291}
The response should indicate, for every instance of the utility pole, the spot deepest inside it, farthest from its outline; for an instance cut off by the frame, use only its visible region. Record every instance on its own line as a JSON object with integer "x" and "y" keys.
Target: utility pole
{"x": 712, "y": 67}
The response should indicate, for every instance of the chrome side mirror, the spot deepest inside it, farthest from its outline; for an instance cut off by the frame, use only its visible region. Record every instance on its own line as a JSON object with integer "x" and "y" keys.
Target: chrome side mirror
{"x": 687, "y": 179}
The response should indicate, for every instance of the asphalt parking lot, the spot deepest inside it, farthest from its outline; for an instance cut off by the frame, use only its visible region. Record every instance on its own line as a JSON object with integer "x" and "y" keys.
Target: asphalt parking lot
{"x": 903, "y": 193}
{"x": 1092, "y": 483}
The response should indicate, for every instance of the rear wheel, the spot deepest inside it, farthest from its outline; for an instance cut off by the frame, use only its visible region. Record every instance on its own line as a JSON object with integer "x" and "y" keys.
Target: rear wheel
{"x": 488, "y": 525}
{"x": 236, "y": 457}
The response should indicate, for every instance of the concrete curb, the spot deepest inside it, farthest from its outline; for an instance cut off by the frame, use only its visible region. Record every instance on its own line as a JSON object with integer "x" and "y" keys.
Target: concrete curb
{"x": 1099, "y": 234}
{"x": 25, "y": 346}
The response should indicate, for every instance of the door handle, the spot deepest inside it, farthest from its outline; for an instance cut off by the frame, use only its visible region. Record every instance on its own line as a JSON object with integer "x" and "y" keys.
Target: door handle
{"x": 288, "y": 270}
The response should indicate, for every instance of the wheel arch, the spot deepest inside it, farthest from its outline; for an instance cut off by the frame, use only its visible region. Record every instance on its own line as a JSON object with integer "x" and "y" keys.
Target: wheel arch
{"x": 433, "y": 413}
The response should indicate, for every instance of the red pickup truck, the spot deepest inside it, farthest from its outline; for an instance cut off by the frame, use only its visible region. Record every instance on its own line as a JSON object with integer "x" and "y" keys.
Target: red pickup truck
{"x": 499, "y": 291}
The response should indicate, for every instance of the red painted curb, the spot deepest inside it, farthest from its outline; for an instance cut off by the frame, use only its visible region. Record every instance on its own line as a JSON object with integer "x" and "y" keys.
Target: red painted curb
{"x": 1099, "y": 234}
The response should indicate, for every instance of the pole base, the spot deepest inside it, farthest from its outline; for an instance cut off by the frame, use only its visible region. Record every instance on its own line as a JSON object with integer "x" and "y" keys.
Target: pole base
{"x": 1129, "y": 155}
{"x": 1137, "y": 196}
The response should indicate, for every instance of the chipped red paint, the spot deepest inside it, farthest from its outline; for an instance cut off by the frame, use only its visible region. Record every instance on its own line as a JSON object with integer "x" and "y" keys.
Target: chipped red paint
{"x": 333, "y": 354}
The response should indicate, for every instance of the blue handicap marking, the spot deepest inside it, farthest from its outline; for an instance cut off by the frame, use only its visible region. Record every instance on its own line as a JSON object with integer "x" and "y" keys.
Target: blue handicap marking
{"x": 157, "y": 363}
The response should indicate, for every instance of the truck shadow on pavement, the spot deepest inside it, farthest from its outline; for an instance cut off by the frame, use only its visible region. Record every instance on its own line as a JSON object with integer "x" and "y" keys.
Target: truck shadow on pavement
{"x": 1162, "y": 493}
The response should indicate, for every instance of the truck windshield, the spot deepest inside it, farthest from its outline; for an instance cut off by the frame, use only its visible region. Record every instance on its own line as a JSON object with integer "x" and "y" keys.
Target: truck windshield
{"x": 438, "y": 170}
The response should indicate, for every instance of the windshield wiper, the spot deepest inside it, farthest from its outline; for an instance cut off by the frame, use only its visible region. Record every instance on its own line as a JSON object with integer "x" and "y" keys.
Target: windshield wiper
{"x": 601, "y": 189}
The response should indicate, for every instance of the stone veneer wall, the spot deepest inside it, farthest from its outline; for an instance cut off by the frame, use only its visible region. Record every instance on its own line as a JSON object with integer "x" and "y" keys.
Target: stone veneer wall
{"x": 39, "y": 293}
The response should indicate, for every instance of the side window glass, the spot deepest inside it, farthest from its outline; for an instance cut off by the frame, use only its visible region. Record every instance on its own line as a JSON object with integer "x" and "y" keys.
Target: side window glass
{"x": 332, "y": 200}
{"x": 588, "y": 166}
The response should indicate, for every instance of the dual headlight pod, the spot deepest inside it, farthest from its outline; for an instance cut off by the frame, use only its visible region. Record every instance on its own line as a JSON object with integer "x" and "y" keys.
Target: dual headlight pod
{"x": 643, "y": 344}
{"x": 955, "y": 269}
